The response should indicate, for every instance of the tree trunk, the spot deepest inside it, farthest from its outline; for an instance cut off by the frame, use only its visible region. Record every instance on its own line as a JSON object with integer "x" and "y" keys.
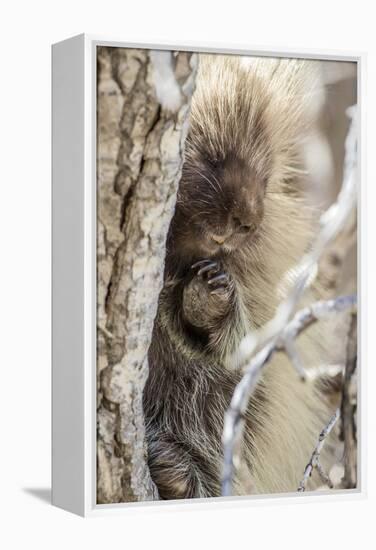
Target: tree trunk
{"x": 143, "y": 102}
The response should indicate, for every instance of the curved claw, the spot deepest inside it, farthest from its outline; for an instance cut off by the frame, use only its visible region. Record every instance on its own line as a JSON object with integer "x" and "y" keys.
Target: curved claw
{"x": 216, "y": 279}
{"x": 201, "y": 263}
{"x": 207, "y": 268}
{"x": 222, "y": 277}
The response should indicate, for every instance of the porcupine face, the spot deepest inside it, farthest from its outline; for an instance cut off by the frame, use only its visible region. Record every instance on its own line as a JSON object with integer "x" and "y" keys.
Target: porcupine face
{"x": 219, "y": 206}
{"x": 228, "y": 161}
{"x": 242, "y": 155}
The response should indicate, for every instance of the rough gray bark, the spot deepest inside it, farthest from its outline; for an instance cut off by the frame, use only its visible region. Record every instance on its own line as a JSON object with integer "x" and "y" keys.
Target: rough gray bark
{"x": 142, "y": 126}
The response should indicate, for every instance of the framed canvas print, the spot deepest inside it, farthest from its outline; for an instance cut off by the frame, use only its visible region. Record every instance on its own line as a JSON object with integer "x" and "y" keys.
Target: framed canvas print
{"x": 205, "y": 245}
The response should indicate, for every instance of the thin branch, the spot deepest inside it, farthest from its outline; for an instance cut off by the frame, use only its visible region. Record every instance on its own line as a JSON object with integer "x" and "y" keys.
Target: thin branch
{"x": 305, "y": 318}
{"x": 233, "y": 426}
{"x": 315, "y": 458}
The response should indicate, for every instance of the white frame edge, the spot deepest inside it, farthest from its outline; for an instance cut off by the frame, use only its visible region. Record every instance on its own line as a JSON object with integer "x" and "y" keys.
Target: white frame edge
{"x": 68, "y": 383}
{"x": 74, "y": 278}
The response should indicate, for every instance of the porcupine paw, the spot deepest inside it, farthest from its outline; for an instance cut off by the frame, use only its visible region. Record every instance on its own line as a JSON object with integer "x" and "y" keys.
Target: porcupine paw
{"x": 207, "y": 295}
{"x": 214, "y": 277}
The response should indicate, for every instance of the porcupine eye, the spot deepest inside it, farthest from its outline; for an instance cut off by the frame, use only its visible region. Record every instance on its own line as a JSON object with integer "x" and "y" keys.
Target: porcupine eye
{"x": 240, "y": 226}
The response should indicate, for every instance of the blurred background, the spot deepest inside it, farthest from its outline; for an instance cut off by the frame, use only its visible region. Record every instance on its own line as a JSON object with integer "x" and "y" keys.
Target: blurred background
{"x": 325, "y": 159}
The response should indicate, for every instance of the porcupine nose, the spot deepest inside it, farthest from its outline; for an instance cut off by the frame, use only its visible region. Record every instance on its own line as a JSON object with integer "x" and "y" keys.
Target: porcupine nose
{"x": 219, "y": 239}
{"x": 237, "y": 228}
{"x": 241, "y": 224}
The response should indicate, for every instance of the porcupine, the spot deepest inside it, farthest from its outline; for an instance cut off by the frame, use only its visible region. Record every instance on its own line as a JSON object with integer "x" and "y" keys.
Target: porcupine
{"x": 240, "y": 224}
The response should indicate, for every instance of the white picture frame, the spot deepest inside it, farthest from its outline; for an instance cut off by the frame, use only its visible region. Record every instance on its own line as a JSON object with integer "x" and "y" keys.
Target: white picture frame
{"x": 74, "y": 276}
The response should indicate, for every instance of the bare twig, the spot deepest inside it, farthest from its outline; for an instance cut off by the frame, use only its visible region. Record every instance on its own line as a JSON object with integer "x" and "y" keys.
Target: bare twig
{"x": 303, "y": 319}
{"x": 257, "y": 349}
{"x": 315, "y": 458}
{"x": 234, "y": 415}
